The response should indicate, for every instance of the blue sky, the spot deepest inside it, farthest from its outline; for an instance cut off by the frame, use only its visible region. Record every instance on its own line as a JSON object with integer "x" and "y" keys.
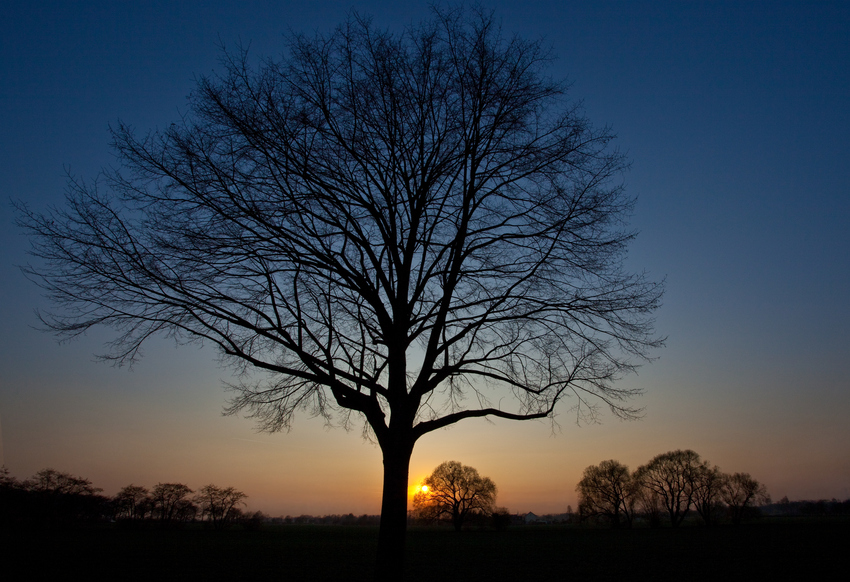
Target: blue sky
{"x": 735, "y": 116}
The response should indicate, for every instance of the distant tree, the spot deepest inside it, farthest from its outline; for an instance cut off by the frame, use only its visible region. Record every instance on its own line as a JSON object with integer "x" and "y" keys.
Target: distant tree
{"x": 648, "y": 503}
{"x": 707, "y": 488}
{"x": 253, "y": 521}
{"x": 59, "y": 483}
{"x": 740, "y": 492}
{"x": 454, "y": 491}
{"x": 607, "y": 490}
{"x": 671, "y": 476}
{"x": 13, "y": 505}
{"x": 500, "y": 518}
{"x": 384, "y": 224}
{"x": 220, "y": 506}
{"x": 7, "y": 480}
{"x": 172, "y": 504}
{"x": 57, "y": 497}
{"x": 133, "y": 502}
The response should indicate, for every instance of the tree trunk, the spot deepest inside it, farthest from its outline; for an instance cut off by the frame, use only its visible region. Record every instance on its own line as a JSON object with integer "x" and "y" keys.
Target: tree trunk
{"x": 390, "y": 561}
{"x": 457, "y": 521}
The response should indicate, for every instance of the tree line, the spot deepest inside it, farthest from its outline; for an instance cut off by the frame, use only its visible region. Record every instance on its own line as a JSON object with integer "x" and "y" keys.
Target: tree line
{"x": 56, "y": 498}
{"x": 809, "y": 508}
{"x": 667, "y": 488}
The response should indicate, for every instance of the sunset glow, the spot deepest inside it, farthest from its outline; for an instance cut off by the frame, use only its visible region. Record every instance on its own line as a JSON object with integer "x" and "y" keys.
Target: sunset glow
{"x": 418, "y": 487}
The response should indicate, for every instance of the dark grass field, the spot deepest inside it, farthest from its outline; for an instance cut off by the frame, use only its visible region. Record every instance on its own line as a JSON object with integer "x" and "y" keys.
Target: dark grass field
{"x": 789, "y": 549}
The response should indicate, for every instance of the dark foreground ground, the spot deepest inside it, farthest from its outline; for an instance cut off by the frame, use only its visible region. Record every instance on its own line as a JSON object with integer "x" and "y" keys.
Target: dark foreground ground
{"x": 789, "y": 549}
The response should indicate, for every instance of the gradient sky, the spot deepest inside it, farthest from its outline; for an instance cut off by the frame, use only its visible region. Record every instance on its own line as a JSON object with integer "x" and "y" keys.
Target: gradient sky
{"x": 736, "y": 117}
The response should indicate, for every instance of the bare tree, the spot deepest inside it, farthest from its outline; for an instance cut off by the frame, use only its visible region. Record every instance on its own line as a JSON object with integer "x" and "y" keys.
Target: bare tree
{"x": 607, "y": 489}
{"x": 7, "y": 480}
{"x": 648, "y": 503}
{"x": 57, "y": 497}
{"x": 133, "y": 502}
{"x": 707, "y": 486}
{"x": 220, "y": 505}
{"x": 172, "y": 504}
{"x": 741, "y": 491}
{"x": 406, "y": 229}
{"x": 671, "y": 476}
{"x": 455, "y": 491}
{"x": 60, "y": 483}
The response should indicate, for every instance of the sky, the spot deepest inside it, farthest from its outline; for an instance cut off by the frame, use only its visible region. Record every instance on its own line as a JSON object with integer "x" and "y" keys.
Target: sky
{"x": 735, "y": 117}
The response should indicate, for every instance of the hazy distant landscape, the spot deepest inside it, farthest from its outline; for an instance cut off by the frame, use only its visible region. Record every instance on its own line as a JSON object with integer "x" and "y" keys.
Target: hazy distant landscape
{"x": 213, "y": 536}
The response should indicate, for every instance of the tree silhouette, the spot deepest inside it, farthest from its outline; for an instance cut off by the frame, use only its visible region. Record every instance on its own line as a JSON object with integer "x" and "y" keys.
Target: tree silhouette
{"x": 55, "y": 497}
{"x": 608, "y": 490}
{"x": 220, "y": 505}
{"x": 672, "y": 476}
{"x": 648, "y": 503}
{"x": 740, "y": 491}
{"x": 172, "y": 503}
{"x": 454, "y": 491}
{"x": 708, "y": 483}
{"x": 133, "y": 503}
{"x": 406, "y": 229}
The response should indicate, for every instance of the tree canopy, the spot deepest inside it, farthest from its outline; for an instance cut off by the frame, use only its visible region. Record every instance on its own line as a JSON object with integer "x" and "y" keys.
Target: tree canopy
{"x": 454, "y": 491}
{"x": 607, "y": 489}
{"x": 739, "y": 491}
{"x": 672, "y": 476}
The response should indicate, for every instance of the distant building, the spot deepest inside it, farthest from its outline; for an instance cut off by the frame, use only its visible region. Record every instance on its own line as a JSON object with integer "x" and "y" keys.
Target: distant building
{"x": 533, "y": 519}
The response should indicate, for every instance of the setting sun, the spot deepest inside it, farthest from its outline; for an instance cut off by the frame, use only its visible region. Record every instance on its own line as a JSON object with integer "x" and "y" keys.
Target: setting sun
{"x": 415, "y": 488}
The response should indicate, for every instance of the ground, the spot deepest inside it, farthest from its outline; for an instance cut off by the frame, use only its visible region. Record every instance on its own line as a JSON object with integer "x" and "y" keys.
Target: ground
{"x": 779, "y": 549}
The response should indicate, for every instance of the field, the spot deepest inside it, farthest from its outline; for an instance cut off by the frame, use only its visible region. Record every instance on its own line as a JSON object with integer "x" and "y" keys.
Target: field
{"x": 768, "y": 549}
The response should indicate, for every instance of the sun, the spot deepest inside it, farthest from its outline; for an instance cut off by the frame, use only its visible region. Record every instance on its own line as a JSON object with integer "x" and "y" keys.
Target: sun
{"x": 415, "y": 489}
